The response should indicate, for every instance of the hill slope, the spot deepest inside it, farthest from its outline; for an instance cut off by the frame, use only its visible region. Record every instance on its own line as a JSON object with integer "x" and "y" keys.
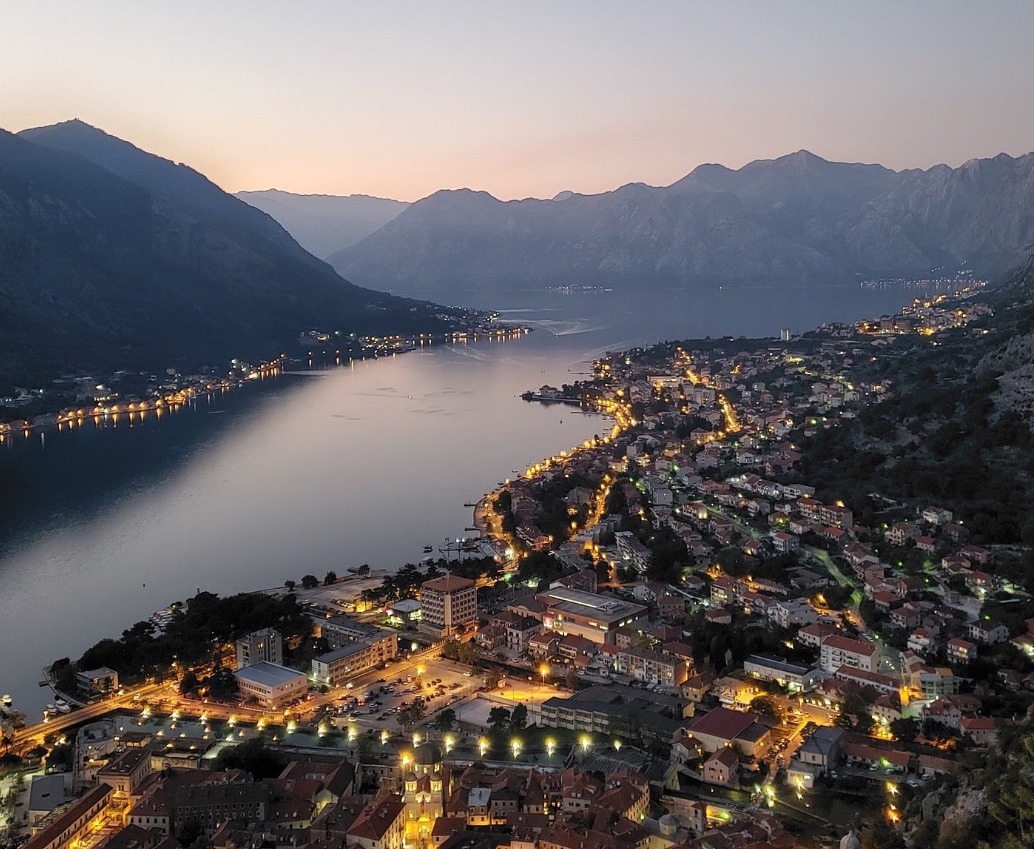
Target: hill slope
{"x": 324, "y": 224}
{"x": 112, "y": 257}
{"x": 796, "y": 219}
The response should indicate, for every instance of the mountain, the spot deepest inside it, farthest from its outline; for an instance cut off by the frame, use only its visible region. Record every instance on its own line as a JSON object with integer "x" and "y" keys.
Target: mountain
{"x": 799, "y": 219}
{"x": 111, "y": 257}
{"x": 324, "y": 224}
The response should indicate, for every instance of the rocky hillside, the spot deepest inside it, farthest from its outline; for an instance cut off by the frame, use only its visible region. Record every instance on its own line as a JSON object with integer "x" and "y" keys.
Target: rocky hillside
{"x": 111, "y": 257}
{"x": 794, "y": 219}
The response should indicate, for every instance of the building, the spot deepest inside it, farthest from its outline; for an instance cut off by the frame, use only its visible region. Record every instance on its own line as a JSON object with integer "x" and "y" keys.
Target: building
{"x": 404, "y": 612}
{"x": 381, "y": 824}
{"x": 46, "y": 795}
{"x": 449, "y": 605}
{"x": 267, "y": 645}
{"x": 724, "y": 727}
{"x": 652, "y": 667}
{"x": 65, "y": 827}
{"x": 338, "y": 666}
{"x": 97, "y": 682}
{"x": 823, "y": 748}
{"x": 795, "y": 677}
{"x": 343, "y": 630}
{"x": 617, "y": 709}
{"x": 837, "y": 651}
{"x": 594, "y": 616}
{"x": 271, "y": 684}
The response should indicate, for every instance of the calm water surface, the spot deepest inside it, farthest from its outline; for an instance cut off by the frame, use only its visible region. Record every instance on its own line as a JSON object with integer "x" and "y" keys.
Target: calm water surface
{"x": 318, "y": 470}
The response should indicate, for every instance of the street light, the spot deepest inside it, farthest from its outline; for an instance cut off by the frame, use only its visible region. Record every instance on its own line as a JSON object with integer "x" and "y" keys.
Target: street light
{"x": 585, "y": 740}
{"x": 550, "y": 747}
{"x": 483, "y": 746}
{"x": 516, "y": 747}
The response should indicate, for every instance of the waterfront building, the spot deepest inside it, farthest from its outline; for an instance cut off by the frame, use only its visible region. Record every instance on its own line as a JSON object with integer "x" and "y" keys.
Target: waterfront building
{"x": 449, "y": 605}
{"x": 267, "y": 645}
{"x": 270, "y": 683}
{"x": 97, "y": 682}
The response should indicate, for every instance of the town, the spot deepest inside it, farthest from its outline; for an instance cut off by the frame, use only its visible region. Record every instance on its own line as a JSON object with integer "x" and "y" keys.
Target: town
{"x": 676, "y": 642}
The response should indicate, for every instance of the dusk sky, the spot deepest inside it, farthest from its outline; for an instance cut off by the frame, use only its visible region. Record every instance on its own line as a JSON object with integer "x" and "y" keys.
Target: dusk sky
{"x": 399, "y": 99}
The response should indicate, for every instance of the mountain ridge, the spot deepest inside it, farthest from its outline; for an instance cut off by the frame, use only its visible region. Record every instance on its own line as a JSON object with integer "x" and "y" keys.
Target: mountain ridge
{"x": 794, "y": 219}
{"x": 113, "y": 258}
{"x": 325, "y": 223}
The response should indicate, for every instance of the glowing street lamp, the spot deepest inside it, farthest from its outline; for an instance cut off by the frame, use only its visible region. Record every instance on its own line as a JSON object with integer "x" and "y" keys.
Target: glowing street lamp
{"x": 449, "y": 742}
{"x": 516, "y": 747}
{"x": 416, "y": 739}
{"x": 586, "y": 741}
{"x": 384, "y": 736}
{"x": 617, "y": 745}
{"x": 483, "y": 746}
{"x": 544, "y": 672}
{"x": 550, "y": 747}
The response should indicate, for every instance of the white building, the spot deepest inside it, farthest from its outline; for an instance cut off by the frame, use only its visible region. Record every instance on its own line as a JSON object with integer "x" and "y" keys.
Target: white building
{"x": 267, "y": 645}
{"x": 271, "y": 684}
{"x": 837, "y": 651}
{"x": 449, "y": 605}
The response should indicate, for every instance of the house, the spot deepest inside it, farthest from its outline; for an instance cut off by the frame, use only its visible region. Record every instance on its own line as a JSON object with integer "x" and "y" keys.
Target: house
{"x": 960, "y": 650}
{"x": 987, "y": 632}
{"x": 823, "y": 747}
{"x": 721, "y": 767}
{"x": 723, "y": 727}
{"x": 983, "y": 730}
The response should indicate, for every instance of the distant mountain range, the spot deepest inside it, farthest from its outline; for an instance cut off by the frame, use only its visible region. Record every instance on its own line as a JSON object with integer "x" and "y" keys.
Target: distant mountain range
{"x": 111, "y": 257}
{"x": 325, "y": 224}
{"x": 794, "y": 220}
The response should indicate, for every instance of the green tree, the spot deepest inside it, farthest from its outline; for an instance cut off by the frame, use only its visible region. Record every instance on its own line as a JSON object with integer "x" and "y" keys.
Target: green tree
{"x": 290, "y": 585}
{"x": 499, "y": 718}
{"x": 310, "y": 582}
{"x": 519, "y": 717}
{"x": 445, "y": 719}
{"x": 905, "y": 730}
{"x": 331, "y": 578}
{"x": 412, "y": 713}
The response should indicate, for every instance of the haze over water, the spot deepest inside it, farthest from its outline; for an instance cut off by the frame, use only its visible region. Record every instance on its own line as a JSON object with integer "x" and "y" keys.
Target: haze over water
{"x": 319, "y": 471}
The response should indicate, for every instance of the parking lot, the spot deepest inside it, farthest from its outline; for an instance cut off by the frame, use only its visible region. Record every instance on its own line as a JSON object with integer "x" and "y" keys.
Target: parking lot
{"x": 441, "y": 683}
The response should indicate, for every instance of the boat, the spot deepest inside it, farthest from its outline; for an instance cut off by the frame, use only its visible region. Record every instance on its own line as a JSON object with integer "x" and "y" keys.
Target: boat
{"x": 428, "y": 549}
{"x": 62, "y": 705}
{"x": 51, "y": 710}
{"x": 6, "y": 700}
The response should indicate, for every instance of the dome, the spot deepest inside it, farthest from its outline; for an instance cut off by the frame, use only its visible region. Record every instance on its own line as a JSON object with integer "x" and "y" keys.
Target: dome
{"x": 427, "y": 754}
{"x": 668, "y": 825}
{"x": 850, "y": 841}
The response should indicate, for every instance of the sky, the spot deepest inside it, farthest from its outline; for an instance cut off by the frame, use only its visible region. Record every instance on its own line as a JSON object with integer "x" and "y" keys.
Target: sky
{"x": 521, "y": 99}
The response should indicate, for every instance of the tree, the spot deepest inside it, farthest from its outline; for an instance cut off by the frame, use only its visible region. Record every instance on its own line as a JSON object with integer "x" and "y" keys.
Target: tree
{"x": 905, "y": 730}
{"x": 363, "y": 570}
{"x": 766, "y": 706}
{"x": 445, "y": 719}
{"x": 331, "y": 578}
{"x": 189, "y": 683}
{"x": 310, "y": 582}
{"x": 290, "y": 585}
{"x": 498, "y": 718}
{"x": 519, "y": 717}
{"x": 412, "y": 713}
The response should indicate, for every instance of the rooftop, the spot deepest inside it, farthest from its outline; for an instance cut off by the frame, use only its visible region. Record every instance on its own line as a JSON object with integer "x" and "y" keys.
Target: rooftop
{"x": 268, "y": 674}
{"x": 447, "y": 584}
